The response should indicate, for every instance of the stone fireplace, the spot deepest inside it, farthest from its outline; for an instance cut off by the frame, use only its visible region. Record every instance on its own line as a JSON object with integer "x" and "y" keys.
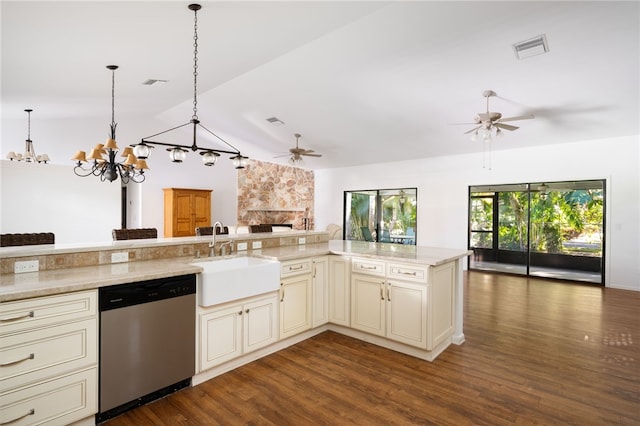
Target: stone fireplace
{"x": 275, "y": 194}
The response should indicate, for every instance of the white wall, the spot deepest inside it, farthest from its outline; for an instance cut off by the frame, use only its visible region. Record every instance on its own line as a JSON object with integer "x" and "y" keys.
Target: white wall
{"x": 51, "y": 198}
{"x": 443, "y": 191}
{"x": 148, "y": 199}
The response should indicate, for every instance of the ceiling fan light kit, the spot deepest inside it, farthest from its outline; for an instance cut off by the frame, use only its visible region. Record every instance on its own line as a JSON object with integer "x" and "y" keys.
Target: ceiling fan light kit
{"x": 297, "y": 153}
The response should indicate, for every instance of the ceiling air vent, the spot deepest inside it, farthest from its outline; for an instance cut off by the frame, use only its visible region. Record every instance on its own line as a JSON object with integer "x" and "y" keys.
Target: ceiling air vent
{"x": 153, "y": 82}
{"x": 275, "y": 121}
{"x": 532, "y": 47}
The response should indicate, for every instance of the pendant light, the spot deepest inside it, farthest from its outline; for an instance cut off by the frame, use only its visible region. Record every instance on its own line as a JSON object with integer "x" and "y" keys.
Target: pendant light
{"x": 29, "y": 155}
{"x": 130, "y": 170}
{"x": 178, "y": 152}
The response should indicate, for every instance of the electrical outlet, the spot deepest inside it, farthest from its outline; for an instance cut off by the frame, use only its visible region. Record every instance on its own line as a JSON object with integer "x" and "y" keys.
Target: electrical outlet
{"x": 26, "y": 266}
{"x": 256, "y": 245}
{"x": 121, "y": 256}
{"x": 241, "y": 246}
{"x": 302, "y": 240}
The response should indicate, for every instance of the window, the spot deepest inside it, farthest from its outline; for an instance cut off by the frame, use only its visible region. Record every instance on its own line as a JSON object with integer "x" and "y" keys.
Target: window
{"x": 381, "y": 215}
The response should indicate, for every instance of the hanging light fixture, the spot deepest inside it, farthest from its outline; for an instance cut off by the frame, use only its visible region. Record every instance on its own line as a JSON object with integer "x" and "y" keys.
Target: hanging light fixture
{"x": 178, "y": 152}
{"x": 29, "y": 155}
{"x": 132, "y": 169}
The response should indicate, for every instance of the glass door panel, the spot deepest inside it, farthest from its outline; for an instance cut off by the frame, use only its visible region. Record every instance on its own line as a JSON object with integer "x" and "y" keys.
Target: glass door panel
{"x": 382, "y": 215}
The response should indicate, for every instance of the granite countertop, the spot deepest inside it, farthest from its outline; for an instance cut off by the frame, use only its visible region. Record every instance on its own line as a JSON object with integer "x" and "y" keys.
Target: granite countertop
{"x": 43, "y": 283}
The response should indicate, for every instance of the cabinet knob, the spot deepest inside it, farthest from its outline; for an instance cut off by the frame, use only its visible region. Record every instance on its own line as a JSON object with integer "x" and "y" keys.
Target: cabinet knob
{"x": 247, "y": 311}
{"x": 240, "y": 313}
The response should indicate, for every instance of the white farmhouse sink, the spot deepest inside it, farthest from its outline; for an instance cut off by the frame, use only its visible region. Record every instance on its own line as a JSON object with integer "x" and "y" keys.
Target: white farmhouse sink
{"x": 230, "y": 279}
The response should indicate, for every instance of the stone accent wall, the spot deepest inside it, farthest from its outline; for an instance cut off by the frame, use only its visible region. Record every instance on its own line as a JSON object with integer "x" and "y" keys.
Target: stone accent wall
{"x": 275, "y": 193}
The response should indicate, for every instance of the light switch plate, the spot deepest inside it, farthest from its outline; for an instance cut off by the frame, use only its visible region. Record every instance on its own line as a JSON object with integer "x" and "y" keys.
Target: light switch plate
{"x": 256, "y": 245}
{"x": 241, "y": 246}
{"x": 26, "y": 266}
{"x": 121, "y": 256}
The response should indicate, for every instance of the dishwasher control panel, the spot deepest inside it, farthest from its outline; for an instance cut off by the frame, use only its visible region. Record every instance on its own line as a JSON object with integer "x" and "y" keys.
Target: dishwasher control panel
{"x": 121, "y": 295}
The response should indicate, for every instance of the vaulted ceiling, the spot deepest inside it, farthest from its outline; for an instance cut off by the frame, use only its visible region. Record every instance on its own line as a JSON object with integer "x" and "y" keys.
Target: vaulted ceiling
{"x": 363, "y": 82}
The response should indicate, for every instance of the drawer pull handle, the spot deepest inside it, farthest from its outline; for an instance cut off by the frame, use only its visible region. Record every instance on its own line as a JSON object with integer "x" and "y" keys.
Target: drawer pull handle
{"x": 407, "y": 273}
{"x": 30, "y": 413}
{"x": 30, "y": 314}
{"x": 296, "y": 268}
{"x": 28, "y": 357}
{"x": 369, "y": 268}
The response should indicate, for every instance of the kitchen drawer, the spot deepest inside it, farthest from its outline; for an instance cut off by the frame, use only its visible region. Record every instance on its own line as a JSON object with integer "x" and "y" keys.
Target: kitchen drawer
{"x": 44, "y": 311}
{"x": 408, "y": 272}
{"x": 60, "y": 401}
{"x": 368, "y": 266}
{"x": 46, "y": 352}
{"x": 295, "y": 267}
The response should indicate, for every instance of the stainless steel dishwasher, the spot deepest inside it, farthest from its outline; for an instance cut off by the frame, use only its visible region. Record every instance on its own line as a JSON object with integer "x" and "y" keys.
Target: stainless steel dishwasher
{"x": 147, "y": 342}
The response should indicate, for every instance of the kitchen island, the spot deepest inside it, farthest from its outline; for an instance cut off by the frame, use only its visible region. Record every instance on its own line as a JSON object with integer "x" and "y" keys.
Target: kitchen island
{"x": 404, "y": 298}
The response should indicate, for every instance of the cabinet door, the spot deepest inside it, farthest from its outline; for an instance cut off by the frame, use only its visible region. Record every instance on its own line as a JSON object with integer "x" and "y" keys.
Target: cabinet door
{"x": 367, "y": 304}
{"x": 220, "y": 336}
{"x": 295, "y": 305}
{"x": 201, "y": 214}
{"x": 407, "y": 313}
{"x": 260, "y": 322}
{"x": 182, "y": 219}
{"x": 339, "y": 290}
{"x": 320, "y": 276}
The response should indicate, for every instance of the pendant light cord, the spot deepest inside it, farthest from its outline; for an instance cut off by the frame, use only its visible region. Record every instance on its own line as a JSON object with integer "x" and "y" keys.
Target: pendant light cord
{"x": 195, "y": 65}
{"x": 28, "y": 124}
{"x": 113, "y": 97}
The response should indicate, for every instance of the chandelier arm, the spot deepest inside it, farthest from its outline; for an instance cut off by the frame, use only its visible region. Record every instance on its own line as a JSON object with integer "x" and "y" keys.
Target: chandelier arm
{"x": 236, "y": 150}
{"x": 162, "y": 133}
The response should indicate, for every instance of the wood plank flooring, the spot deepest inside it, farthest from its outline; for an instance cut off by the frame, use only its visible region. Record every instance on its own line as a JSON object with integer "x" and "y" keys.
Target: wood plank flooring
{"x": 537, "y": 352}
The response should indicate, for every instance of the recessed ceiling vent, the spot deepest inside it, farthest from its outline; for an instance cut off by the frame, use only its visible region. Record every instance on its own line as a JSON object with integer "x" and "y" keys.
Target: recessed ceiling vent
{"x": 154, "y": 82}
{"x": 275, "y": 121}
{"x": 532, "y": 47}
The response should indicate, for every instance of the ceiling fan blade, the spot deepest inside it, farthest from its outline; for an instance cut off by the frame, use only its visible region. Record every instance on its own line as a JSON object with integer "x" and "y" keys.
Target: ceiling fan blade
{"x": 505, "y": 126}
{"x": 472, "y": 130}
{"x": 520, "y": 117}
{"x": 282, "y": 155}
{"x": 310, "y": 154}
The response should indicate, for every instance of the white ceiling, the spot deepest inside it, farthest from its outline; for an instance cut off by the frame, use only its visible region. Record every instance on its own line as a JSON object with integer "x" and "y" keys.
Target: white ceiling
{"x": 363, "y": 82}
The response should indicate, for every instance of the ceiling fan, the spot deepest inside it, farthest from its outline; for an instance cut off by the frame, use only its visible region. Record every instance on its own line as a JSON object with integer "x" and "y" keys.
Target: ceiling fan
{"x": 487, "y": 122}
{"x": 297, "y": 153}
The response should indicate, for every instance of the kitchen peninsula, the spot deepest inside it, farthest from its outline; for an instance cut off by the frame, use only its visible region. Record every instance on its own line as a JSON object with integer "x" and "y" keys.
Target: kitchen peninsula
{"x": 405, "y": 298}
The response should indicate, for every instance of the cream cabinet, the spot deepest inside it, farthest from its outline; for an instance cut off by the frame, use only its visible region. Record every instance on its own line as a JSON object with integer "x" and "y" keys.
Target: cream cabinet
{"x": 48, "y": 359}
{"x": 233, "y": 329}
{"x": 393, "y": 300}
{"x": 185, "y": 210}
{"x": 340, "y": 290}
{"x": 296, "y": 294}
{"x": 320, "y": 286}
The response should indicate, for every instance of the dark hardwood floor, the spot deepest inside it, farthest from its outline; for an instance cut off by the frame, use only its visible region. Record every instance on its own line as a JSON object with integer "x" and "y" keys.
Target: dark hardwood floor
{"x": 536, "y": 352}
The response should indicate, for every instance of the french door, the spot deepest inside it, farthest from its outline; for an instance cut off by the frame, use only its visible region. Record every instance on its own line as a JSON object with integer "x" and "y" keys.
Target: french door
{"x": 546, "y": 229}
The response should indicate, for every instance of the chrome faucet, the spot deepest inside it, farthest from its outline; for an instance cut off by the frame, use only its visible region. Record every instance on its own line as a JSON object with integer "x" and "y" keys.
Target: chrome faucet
{"x": 212, "y": 244}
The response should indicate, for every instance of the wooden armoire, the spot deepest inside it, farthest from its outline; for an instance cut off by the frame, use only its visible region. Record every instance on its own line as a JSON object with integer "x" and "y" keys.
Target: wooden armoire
{"x": 184, "y": 210}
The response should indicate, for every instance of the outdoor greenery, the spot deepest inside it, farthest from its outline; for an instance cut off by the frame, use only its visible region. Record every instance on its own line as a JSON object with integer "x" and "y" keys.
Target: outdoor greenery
{"x": 561, "y": 221}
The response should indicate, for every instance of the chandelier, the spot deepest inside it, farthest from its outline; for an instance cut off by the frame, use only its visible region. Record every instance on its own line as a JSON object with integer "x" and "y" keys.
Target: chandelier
{"x": 178, "y": 152}
{"x": 29, "y": 155}
{"x": 131, "y": 169}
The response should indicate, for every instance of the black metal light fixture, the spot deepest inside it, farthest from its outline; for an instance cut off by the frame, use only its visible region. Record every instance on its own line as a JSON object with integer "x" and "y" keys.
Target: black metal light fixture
{"x": 29, "y": 155}
{"x": 177, "y": 152}
{"x": 131, "y": 169}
